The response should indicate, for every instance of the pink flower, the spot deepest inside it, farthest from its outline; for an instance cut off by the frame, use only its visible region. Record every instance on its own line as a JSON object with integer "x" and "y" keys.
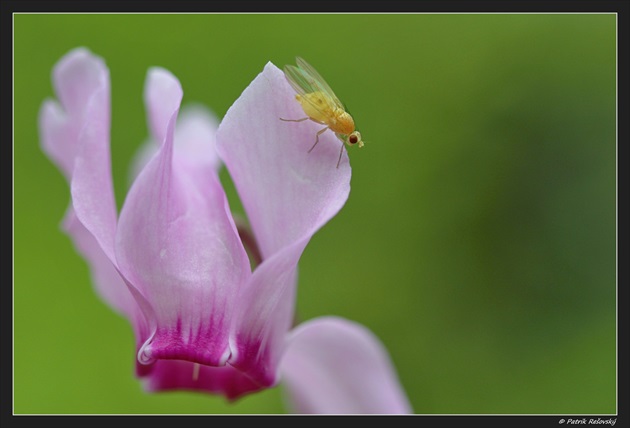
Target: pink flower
{"x": 173, "y": 262}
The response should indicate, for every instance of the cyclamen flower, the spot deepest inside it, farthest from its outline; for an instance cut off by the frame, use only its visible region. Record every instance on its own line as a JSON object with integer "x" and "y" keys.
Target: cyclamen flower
{"x": 173, "y": 262}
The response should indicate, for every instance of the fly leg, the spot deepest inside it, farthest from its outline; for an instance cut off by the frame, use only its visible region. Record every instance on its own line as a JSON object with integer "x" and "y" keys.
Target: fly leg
{"x": 340, "y": 153}
{"x": 317, "y": 139}
{"x": 294, "y": 120}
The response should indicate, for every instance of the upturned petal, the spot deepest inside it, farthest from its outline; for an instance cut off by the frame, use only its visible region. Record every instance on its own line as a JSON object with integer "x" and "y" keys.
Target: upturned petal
{"x": 195, "y": 136}
{"x": 336, "y": 366}
{"x": 76, "y": 79}
{"x": 177, "y": 242}
{"x": 106, "y": 279}
{"x": 287, "y": 192}
{"x": 288, "y": 195}
{"x": 162, "y": 95}
{"x": 194, "y": 139}
{"x": 75, "y": 134}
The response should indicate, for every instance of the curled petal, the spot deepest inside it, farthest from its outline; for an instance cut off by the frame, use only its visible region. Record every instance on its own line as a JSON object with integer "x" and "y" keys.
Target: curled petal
{"x": 194, "y": 139}
{"x": 162, "y": 95}
{"x": 263, "y": 317}
{"x": 195, "y": 136}
{"x": 336, "y": 366}
{"x": 59, "y": 137}
{"x": 143, "y": 155}
{"x": 75, "y": 134}
{"x": 287, "y": 192}
{"x": 106, "y": 279}
{"x": 76, "y": 78}
{"x": 177, "y": 242}
{"x": 288, "y": 195}
{"x": 92, "y": 187}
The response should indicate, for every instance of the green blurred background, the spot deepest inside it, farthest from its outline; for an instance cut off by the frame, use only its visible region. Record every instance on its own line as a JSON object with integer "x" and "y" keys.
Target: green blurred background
{"x": 478, "y": 241}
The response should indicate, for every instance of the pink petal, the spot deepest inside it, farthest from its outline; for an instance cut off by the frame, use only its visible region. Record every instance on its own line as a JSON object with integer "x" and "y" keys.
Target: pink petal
{"x": 263, "y": 316}
{"x": 92, "y": 187}
{"x": 76, "y": 78}
{"x": 162, "y": 93}
{"x": 195, "y": 136}
{"x": 143, "y": 155}
{"x": 288, "y": 195}
{"x": 336, "y": 366}
{"x": 194, "y": 139}
{"x": 59, "y": 136}
{"x": 177, "y": 243}
{"x": 75, "y": 134}
{"x": 287, "y": 192}
{"x": 106, "y": 279}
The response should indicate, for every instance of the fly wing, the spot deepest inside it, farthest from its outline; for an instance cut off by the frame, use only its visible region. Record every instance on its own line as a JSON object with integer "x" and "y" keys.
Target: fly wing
{"x": 317, "y": 80}
{"x": 299, "y": 80}
{"x": 311, "y": 90}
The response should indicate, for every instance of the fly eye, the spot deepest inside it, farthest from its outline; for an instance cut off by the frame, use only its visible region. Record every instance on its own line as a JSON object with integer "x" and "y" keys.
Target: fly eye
{"x": 353, "y": 139}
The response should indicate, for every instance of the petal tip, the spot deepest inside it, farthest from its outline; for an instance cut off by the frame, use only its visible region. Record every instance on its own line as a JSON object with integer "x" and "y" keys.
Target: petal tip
{"x": 77, "y": 76}
{"x": 78, "y": 54}
{"x": 163, "y": 95}
{"x": 160, "y": 75}
{"x": 78, "y": 58}
{"x": 162, "y": 83}
{"x": 271, "y": 66}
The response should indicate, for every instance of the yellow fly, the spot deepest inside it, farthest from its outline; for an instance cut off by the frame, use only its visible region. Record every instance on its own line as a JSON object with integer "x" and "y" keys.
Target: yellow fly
{"x": 321, "y": 105}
